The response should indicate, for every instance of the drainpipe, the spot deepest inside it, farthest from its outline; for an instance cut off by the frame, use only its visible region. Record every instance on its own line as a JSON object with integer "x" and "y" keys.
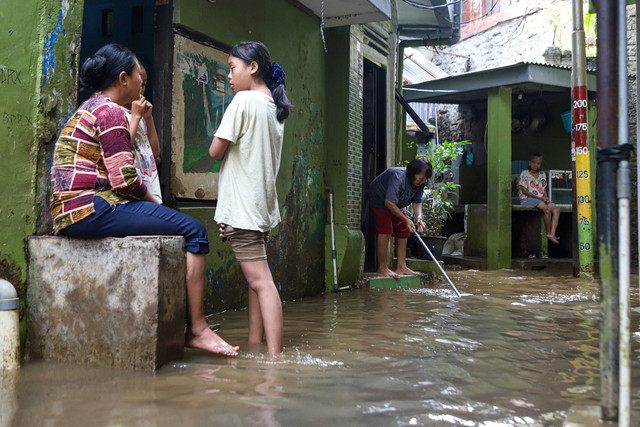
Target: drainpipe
{"x": 580, "y": 155}
{"x": 638, "y": 122}
{"x": 9, "y": 330}
{"x": 624, "y": 196}
{"x": 607, "y": 65}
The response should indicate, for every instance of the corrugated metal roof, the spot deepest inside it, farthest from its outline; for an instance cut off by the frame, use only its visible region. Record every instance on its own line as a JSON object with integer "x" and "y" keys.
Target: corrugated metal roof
{"x": 417, "y": 68}
{"x": 526, "y": 79}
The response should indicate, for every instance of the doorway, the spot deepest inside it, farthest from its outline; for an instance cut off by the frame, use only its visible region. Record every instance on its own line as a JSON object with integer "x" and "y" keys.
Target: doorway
{"x": 129, "y": 23}
{"x": 374, "y": 142}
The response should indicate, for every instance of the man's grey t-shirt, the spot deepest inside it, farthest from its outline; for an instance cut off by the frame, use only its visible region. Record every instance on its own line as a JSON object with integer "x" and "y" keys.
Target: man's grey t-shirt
{"x": 394, "y": 186}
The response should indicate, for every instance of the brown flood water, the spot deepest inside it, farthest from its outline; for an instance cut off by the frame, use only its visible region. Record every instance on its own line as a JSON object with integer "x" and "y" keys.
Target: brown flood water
{"x": 519, "y": 349}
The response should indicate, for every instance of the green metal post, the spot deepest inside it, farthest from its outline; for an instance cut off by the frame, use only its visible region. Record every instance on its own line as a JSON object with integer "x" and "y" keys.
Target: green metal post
{"x": 499, "y": 178}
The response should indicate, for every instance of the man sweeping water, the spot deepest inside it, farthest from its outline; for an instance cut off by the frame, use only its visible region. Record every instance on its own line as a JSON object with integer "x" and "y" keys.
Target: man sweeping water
{"x": 390, "y": 193}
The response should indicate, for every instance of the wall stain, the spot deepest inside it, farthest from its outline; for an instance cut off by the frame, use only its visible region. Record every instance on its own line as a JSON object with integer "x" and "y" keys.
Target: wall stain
{"x": 50, "y": 40}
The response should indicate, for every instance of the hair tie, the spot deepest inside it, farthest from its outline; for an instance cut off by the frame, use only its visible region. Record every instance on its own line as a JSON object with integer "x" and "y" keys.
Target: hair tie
{"x": 277, "y": 74}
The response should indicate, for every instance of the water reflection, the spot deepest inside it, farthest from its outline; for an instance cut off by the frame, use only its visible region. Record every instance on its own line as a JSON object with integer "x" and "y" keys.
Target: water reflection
{"x": 518, "y": 350}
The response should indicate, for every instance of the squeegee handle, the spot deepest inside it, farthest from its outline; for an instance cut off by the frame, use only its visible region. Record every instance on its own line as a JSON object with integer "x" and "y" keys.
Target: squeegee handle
{"x": 436, "y": 261}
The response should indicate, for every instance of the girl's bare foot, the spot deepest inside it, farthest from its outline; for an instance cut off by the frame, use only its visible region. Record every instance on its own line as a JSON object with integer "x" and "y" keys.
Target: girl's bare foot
{"x": 553, "y": 238}
{"x": 210, "y": 341}
{"x": 387, "y": 273}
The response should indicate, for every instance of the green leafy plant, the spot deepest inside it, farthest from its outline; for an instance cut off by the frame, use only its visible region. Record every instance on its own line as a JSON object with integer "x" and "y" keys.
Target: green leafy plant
{"x": 437, "y": 203}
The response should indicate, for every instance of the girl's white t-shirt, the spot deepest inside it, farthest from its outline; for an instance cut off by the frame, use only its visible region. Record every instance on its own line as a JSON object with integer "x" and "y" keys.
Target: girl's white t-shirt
{"x": 144, "y": 160}
{"x": 247, "y": 197}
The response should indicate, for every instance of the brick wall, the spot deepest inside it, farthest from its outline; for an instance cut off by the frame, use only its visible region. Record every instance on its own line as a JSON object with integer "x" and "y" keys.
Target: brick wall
{"x": 354, "y": 152}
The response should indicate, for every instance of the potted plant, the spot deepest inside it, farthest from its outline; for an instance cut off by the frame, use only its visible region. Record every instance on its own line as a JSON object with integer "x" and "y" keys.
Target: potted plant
{"x": 437, "y": 202}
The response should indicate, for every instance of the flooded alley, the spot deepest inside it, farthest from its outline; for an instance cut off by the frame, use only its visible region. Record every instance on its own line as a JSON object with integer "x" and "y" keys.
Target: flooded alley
{"x": 519, "y": 349}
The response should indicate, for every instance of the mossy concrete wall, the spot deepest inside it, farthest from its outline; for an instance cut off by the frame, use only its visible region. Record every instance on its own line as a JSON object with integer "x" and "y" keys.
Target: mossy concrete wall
{"x": 38, "y": 50}
{"x": 296, "y": 248}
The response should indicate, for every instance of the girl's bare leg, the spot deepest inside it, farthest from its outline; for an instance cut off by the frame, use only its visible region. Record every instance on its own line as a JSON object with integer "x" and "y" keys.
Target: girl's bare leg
{"x": 256, "y": 329}
{"x": 260, "y": 281}
{"x": 198, "y": 334}
{"x": 546, "y": 210}
{"x": 555, "y": 218}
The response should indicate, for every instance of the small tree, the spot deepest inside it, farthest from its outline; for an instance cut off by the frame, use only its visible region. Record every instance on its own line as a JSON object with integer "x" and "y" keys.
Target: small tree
{"x": 437, "y": 203}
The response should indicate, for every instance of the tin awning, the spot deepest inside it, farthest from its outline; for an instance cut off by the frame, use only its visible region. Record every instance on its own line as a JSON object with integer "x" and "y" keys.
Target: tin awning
{"x": 524, "y": 79}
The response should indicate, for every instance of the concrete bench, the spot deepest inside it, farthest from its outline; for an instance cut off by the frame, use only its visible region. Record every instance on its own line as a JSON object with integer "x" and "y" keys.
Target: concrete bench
{"x": 529, "y": 236}
{"x": 118, "y": 302}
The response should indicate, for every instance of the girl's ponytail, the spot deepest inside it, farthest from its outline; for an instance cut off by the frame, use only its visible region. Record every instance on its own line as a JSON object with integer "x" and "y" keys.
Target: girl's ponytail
{"x": 270, "y": 72}
{"x": 278, "y": 88}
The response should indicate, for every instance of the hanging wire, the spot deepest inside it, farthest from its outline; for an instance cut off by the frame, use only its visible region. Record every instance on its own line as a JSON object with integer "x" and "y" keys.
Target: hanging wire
{"x": 324, "y": 43}
{"x": 424, "y": 6}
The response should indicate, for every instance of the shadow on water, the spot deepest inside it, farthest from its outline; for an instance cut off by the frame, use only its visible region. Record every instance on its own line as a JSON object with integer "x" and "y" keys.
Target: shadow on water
{"x": 515, "y": 350}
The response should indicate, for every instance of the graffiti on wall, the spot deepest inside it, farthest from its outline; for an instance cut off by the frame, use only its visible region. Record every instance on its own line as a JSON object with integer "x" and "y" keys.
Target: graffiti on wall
{"x": 201, "y": 93}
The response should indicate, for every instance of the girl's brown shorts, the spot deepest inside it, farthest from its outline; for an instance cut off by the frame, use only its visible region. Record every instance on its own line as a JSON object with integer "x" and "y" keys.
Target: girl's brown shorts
{"x": 248, "y": 245}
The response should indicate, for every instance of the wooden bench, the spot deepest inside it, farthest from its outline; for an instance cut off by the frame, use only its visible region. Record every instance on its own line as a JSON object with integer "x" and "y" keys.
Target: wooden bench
{"x": 117, "y": 302}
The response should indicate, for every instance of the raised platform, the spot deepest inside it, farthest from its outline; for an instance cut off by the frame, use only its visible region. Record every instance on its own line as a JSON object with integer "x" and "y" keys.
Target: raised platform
{"x": 550, "y": 265}
{"x": 117, "y": 302}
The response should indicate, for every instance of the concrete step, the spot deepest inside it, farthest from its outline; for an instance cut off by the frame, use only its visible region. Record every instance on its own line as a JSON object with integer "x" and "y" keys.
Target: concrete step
{"x": 390, "y": 283}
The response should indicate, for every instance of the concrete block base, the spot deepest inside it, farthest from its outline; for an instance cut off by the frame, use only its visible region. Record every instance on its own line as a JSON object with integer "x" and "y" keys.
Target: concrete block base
{"x": 117, "y": 302}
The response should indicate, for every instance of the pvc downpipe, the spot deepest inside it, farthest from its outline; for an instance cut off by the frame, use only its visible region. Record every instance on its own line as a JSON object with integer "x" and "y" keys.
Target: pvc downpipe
{"x": 9, "y": 330}
{"x": 333, "y": 244}
{"x": 624, "y": 262}
{"x": 624, "y": 227}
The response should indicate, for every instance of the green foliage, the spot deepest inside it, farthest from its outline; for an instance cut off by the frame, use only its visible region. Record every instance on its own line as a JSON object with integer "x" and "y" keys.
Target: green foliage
{"x": 437, "y": 203}
{"x": 590, "y": 33}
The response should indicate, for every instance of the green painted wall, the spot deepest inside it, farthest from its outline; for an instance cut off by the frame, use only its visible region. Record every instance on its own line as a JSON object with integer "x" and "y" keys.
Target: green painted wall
{"x": 38, "y": 50}
{"x": 296, "y": 248}
{"x": 38, "y": 73}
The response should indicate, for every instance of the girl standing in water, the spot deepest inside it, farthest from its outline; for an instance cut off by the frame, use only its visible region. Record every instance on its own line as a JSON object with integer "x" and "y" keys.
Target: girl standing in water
{"x": 249, "y": 143}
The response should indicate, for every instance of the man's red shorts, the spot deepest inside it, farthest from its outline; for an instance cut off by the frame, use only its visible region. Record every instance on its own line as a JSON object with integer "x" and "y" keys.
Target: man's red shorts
{"x": 387, "y": 223}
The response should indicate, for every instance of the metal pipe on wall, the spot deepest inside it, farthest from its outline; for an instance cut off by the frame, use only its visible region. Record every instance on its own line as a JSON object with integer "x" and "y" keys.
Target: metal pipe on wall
{"x": 624, "y": 196}
{"x": 607, "y": 83}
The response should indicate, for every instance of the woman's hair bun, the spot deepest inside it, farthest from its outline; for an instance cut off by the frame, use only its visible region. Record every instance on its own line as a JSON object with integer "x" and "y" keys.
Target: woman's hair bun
{"x": 100, "y": 70}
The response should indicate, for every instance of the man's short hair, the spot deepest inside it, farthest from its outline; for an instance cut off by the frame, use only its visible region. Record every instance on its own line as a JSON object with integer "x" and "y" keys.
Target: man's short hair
{"x": 417, "y": 166}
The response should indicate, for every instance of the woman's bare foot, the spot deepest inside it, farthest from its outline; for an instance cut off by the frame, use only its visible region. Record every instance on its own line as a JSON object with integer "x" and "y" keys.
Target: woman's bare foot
{"x": 210, "y": 341}
{"x": 387, "y": 273}
{"x": 406, "y": 271}
{"x": 553, "y": 238}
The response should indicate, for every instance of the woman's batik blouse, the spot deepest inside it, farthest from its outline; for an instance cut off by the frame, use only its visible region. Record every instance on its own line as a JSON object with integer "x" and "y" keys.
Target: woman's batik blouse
{"x": 93, "y": 157}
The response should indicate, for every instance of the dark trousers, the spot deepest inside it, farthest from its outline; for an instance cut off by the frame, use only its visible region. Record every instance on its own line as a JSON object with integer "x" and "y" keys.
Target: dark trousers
{"x": 138, "y": 218}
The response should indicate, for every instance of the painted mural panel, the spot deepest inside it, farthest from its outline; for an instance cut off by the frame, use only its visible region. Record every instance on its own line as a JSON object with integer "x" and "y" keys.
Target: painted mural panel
{"x": 201, "y": 93}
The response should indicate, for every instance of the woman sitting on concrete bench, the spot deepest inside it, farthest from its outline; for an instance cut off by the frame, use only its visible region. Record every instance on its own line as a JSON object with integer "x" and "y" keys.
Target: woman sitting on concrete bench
{"x": 97, "y": 192}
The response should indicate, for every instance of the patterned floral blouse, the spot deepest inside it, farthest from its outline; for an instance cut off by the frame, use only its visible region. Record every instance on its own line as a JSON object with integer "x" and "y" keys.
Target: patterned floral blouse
{"x": 535, "y": 185}
{"x": 93, "y": 157}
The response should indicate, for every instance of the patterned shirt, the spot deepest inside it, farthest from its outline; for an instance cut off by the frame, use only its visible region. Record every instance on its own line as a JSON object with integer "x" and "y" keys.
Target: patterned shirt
{"x": 144, "y": 159}
{"x": 534, "y": 185}
{"x": 93, "y": 157}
